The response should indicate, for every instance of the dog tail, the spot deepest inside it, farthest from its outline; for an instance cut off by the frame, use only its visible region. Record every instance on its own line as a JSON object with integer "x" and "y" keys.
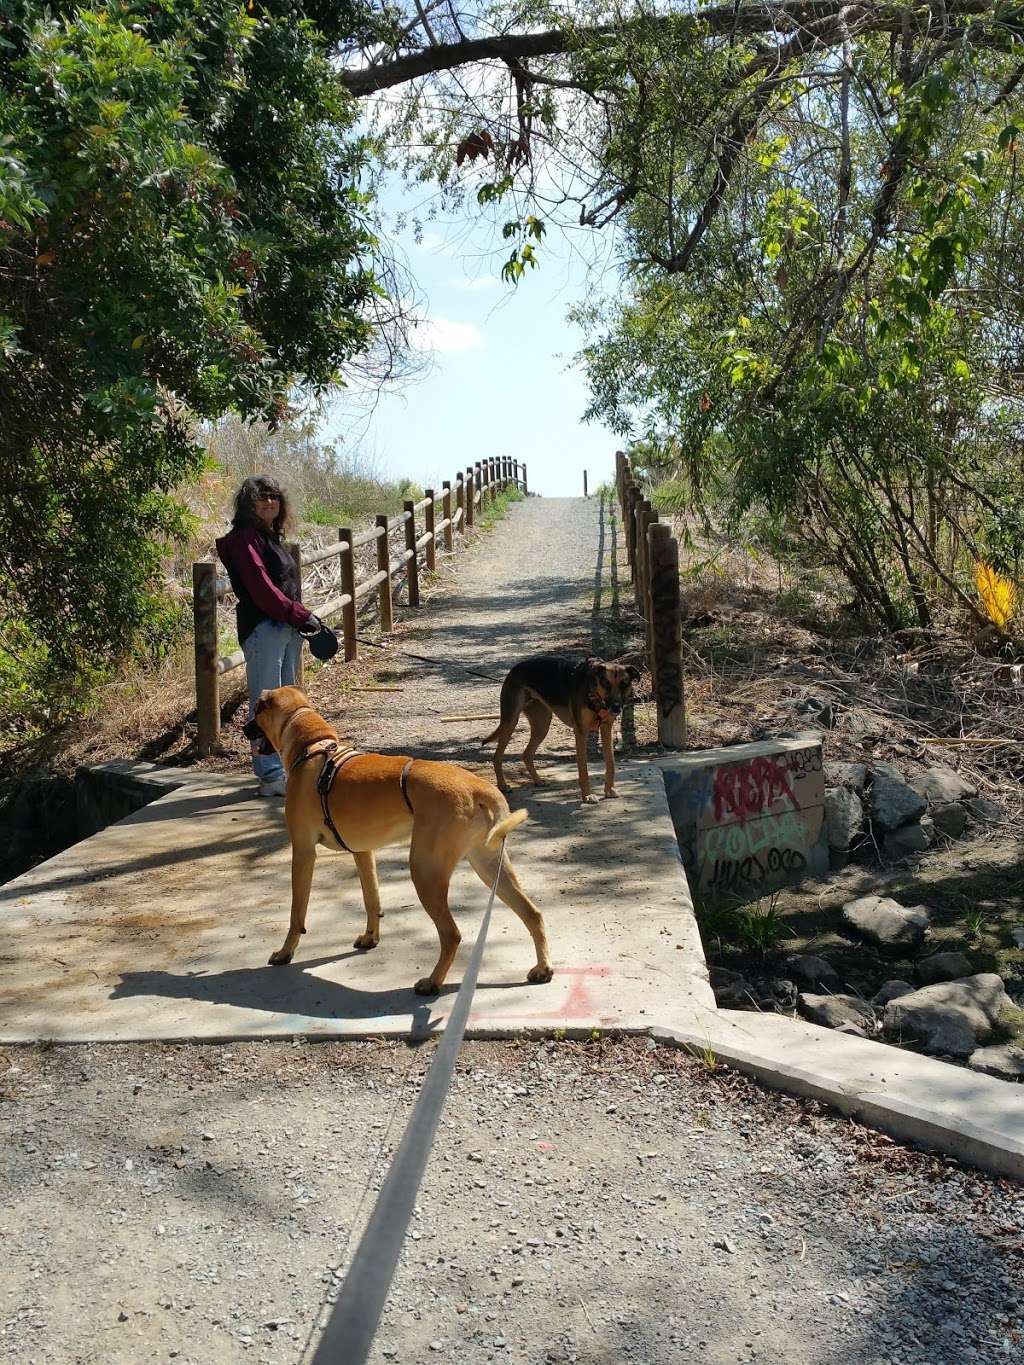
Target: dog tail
{"x": 489, "y": 739}
{"x": 502, "y": 827}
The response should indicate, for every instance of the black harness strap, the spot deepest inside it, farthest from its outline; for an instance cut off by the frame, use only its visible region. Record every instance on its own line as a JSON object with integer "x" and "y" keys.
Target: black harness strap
{"x": 334, "y": 761}
{"x": 403, "y": 782}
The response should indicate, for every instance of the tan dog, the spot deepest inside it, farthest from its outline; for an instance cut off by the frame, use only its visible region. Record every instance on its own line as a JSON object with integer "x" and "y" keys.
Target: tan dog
{"x": 376, "y": 799}
{"x": 586, "y": 696}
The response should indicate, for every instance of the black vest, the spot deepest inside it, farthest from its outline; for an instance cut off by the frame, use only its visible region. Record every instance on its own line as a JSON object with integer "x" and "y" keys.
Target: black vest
{"x": 282, "y": 573}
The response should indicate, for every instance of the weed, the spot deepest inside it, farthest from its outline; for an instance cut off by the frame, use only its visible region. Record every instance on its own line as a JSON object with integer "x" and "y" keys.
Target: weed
{"x": 760, "y": 927}
{"x": 704, "y": 1055}
{"x": 974, "y": 922}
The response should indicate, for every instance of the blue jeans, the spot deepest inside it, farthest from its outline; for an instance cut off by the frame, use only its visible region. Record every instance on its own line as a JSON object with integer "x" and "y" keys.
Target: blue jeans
{"x": 271, "y": 660}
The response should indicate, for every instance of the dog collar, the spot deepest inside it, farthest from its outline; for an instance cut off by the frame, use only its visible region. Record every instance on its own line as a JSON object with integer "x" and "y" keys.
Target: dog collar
{"x": 600, "y": 711}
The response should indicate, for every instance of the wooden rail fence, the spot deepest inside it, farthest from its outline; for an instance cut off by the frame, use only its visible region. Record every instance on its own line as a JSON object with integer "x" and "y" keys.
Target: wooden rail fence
{"x": 652, "y": 552}
{"x": 473, "y": 492}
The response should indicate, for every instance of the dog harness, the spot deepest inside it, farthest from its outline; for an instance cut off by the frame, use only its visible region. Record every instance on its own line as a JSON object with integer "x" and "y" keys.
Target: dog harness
{"x": 335, "y": 757}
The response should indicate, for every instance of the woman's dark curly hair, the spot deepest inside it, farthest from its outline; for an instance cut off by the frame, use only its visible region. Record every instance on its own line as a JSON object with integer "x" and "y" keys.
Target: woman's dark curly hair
{"x": 259, "y": 486}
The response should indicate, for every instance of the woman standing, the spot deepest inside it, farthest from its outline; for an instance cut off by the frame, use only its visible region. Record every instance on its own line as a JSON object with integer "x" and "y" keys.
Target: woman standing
{"x": 270, "y": 616}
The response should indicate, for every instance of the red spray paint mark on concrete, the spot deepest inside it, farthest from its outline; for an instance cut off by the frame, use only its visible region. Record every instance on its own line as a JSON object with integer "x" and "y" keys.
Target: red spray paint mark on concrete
{"x": 747, "y": 790}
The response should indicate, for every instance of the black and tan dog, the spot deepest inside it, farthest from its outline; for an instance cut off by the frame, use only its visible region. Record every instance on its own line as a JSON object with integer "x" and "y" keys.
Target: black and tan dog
{"x": 359, "y": 802}
{"x": 587, "y": 696}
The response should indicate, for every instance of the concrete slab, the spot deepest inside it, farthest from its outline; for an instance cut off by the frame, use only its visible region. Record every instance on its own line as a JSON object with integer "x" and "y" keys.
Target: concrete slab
{"x": 749, "y": 818}
{"x": 978, "y": 1119}
{"x": 159, "y": 927}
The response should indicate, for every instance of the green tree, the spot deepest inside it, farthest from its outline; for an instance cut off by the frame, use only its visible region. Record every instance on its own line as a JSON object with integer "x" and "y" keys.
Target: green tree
{"x": 182, "y": 233}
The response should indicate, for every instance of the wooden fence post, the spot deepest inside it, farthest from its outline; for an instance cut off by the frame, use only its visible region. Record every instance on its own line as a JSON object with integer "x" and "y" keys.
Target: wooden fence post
{"x": 515, "y": 472}
{"x": 666, "y": 633}
{"x": 620, "y": 474}
{"x": 446, "y": 508}
{"x": 629, "y": 523}
{"x": 387, "y": 613}
{"x": 295, "y": 550}
{"x": 428, "y": 525}
{"x": 460, "y": 499}
{"x": 479, "y": 483}
{"x": 348, "y": 585}
{"x": 412, "y": 566}
{"x": 469, "y": 485}
{"x": 204, "y": 618}
{"x": 585, "y": 493}
{"x": 526, "y": 488}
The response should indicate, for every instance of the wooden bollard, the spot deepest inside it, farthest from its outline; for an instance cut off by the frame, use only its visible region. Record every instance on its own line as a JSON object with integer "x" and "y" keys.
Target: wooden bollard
{"x": 295, "y": 550}
{"x": 667, "y": 635}
{"x": 387, "y": 611}
{"x": 428, "y": 525}
{"x": 204, "y": 626}
{"x": 412, "y": 566}
{"x": 446, "y": 508}
{"x": 470, "y": 485}
{"x": 348, "y": 585}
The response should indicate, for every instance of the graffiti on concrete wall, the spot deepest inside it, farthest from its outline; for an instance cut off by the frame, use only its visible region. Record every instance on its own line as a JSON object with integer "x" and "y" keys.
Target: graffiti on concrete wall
{"x": 744, "y": 791}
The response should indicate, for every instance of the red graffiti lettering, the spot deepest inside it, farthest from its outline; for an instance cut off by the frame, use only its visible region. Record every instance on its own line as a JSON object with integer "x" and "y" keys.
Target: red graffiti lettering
{"x": 747, "y": 789}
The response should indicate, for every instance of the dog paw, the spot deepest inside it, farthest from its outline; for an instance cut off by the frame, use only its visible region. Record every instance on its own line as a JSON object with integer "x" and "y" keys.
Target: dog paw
{"x": 541, "y": 973}
{"x": 425, "y": 986}
{"x": 366, "y": 941}
{"x": 590, "y": 800}
{"x": 280, "y": 958}
{"x": 609, "y": 791}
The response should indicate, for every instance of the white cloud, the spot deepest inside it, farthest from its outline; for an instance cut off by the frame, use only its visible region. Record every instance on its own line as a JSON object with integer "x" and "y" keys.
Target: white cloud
{"x": 441, "y": 334}
{"x": 475, "y": 285}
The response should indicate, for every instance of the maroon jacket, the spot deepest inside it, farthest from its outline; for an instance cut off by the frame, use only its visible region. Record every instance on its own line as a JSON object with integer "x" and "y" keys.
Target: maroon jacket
{"x": 264, "y": 578}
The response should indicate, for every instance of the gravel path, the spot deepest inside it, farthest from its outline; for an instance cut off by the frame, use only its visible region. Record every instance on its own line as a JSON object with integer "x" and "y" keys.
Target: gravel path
{"x": 595, "y": 1203}
{"x": 527, "y": 587}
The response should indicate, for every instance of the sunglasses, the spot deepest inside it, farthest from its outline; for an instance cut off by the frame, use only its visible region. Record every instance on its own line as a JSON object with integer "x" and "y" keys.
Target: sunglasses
{"x": 269, "y": 497}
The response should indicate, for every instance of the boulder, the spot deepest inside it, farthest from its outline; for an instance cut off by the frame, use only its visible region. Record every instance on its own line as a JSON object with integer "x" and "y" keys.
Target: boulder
{"x": 890, "y": 990}
{"x": 891, "y": 802}
{"x": 942, "y": 967}
{"x": 1001, "y": 1059}
{"x": 732, "y": 990}
{"x": 902, "y": 843}
{"x": 852, "y": 775}
{"x": 949, "y": 821}
{"x": 813, "y": 973}
{"x": 940, "y": 786}
{"x": 817, "y": 711}
{"x": 887, "y": 924}
{"x": 985, "y": 812}
{"x": 844, "y": 814}
{"x": 838, "y": 1011}
{"x": 948, "y": 1019}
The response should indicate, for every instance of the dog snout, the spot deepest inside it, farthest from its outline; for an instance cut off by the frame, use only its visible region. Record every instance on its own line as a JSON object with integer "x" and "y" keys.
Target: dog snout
{"x": 251, "y": 729}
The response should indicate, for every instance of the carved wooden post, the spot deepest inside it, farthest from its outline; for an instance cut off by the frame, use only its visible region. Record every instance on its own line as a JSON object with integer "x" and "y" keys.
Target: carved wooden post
{"x": 428, "y": 525}
{"x": 204, "y": 618}
{"x": 666, "y": 632}
{"x": 412, "y": 566}
{"x": 348, "y": 585}
{"x": 387, "y": 613}
{"x": 469, "y": 486}
{"x": 295, "y": 550}
{"x": 446, "y": 508}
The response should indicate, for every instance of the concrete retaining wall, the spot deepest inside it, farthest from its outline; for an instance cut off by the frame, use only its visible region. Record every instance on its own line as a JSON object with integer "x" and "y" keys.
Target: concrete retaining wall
{"x": 750, "y": 818}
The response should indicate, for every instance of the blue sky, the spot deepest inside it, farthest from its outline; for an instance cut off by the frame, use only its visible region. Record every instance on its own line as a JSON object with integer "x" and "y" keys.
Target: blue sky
{"x": 502, "y": 379}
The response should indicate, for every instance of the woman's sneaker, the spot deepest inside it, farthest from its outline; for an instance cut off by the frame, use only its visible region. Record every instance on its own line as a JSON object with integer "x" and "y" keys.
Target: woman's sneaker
{"x": 276, "y": 787}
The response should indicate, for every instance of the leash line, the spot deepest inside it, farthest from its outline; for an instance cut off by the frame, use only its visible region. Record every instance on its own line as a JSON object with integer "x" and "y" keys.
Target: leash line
{"x": 425, "y": 659}
{"x": 350, "y": 1329}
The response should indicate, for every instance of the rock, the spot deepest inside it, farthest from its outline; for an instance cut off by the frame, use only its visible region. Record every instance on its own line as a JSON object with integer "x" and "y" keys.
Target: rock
{"x": 838, "y": 1011}
{"x": 891, "y": 803}
{"x": 940, "y": 786}
{"x": 950, "y": 1018}
{"x": 942, "y": 967}
{"x": 902, "y": 843}
{"x": 1001, "y": 1059}
{"x": 887, "y": 924}
{"x": 813, "y": 973}
{"x": 949, "y": 821}
{"x": 985, "y": 812}
{"x": 852, "y": 775}
{"x": 890, "y": 990}
{"x": 816, "y": 710}
{"x": 859, "y": 725}
{"x": 844, "y": 814}
{"x": 1018, "y": 937}
{"x": 784, "y": 993}
{"x": 732, "y": 990}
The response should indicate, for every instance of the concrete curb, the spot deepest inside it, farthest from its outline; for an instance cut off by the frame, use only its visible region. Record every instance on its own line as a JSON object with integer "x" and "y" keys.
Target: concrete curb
{"x": 976, "y": 1118}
